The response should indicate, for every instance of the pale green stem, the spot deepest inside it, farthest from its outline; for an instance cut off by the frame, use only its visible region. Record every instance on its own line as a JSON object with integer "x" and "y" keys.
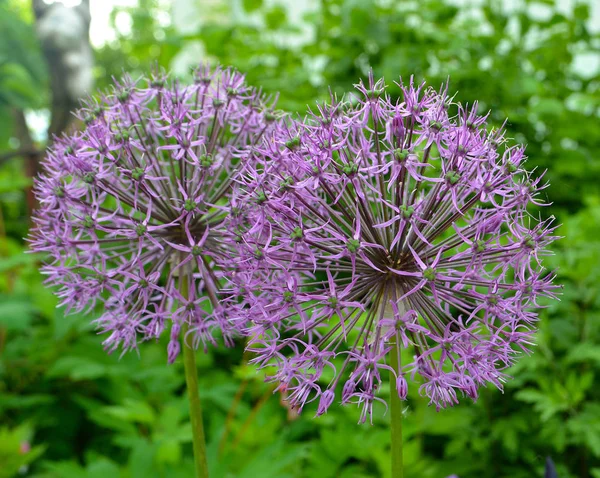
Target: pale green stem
{"x": 396, "y": 416}
{"x": 191, "y": 379}
{"x": 396, "y": 405}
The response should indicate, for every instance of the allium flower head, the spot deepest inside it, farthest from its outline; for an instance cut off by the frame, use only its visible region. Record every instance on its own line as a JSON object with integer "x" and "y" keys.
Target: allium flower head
{"x": 132, "y": 208}
{"x": 385, "y": 222}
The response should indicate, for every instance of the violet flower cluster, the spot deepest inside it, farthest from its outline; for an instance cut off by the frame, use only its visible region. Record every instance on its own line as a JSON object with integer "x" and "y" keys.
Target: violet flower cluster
{"x": 132, "y": 209}
{"x": 385, "y": 222}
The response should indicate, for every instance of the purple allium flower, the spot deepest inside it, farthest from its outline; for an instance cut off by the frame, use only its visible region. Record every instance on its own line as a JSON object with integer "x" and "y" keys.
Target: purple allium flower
{"x": 383, "y": 222}
{"x": 132, "y": 209}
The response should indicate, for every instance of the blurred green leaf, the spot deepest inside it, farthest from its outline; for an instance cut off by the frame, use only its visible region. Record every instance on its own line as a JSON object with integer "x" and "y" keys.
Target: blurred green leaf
{"x": 77, "y": 368}
{"x": 16, "y": 313}
{"x": 252, "y": 5}
{"x": 16, "y": 451}
{"x": 132, "y": 411}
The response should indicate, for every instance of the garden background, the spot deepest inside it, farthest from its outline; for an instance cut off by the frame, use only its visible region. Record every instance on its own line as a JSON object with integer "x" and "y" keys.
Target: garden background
{"x": 68, "y": 410}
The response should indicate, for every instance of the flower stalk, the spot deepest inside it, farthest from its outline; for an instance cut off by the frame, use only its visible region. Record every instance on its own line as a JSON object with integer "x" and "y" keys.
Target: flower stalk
{"x": 396, "y": 403}
{"x": 198, "y": 438}
{"x": 191, "y": 380}
{"x": 396, "y": 414}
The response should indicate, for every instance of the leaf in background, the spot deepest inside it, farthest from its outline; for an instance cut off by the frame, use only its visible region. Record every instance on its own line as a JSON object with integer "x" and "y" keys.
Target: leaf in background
{"x": 547, "y": 405}
{"x": 15, "y": 261}
{"x": 132, "y": 411}
{"x": 585, "y": 427}
{"x": 280, "y": 458}
{"x": 14, "y": 401}
{"x": 16, "y": 313}
{"x": 103, "y": 468}
{"x": 141, "y": 460}
{"x": 22, "y": 68}
{"x": 168, "y": 452}
{"x": 96, "y": 413}
{"x": 275, "y": 18}
{"x": 62, "y": 469}
{"x": 584, "y": 352}
{"x": 77, "y": 368}
{"x": 252, "y": 5}
{"x": 17, "y": 87}
{"x": 16, "y": 451}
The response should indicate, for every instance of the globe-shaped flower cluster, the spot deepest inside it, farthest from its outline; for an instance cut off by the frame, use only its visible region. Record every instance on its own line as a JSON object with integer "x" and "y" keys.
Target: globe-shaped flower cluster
{"x": 371, "y": 227}
{"x": 132, "y": 208}
{"x": 381, "y": 222}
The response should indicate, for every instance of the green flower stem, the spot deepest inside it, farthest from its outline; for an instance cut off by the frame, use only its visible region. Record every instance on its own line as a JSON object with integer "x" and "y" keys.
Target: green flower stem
{"x": 396, "y": 415}
{"x": 191, "y": 380}
{"x": 395, "y": 402}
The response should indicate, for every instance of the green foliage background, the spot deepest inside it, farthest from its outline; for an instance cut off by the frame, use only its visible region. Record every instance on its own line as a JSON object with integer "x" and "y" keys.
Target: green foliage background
{"x": 67, "y": 410}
